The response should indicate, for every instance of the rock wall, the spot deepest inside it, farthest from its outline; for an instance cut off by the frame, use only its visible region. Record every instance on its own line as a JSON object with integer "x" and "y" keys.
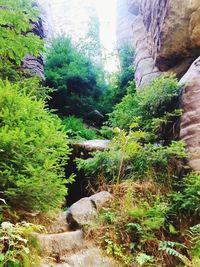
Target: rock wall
{"x": 40, "y": 28}
{"x": 190, "y": 121}
{"x": 166, "y": 37}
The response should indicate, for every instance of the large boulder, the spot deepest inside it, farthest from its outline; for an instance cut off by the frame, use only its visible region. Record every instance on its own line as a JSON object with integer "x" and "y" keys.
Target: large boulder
{"x": 86, "y": 209}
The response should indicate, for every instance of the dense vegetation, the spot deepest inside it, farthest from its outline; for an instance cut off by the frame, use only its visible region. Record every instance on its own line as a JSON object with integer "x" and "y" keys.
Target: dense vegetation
{"x": 153, "y": 220}
{"x": 33, "y": 144}
{"x": 119, "y": 81}
{"x": 76, "y": 80}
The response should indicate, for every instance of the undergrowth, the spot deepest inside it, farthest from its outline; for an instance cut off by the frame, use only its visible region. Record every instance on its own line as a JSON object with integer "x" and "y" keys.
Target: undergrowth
{"x": 153, "y": 219}
{"x": 76, "y": 129}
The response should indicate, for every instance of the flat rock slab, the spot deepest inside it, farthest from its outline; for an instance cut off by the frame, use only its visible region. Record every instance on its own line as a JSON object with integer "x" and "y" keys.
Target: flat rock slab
{"x": 89, "y": 257}
{"x": 59, "y": 244}
{"x": 92, "y": 145}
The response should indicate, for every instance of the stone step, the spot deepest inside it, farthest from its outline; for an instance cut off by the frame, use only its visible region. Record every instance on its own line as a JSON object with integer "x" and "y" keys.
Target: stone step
{"x": 56, "y": 245}
{"x": 88, "y": 257}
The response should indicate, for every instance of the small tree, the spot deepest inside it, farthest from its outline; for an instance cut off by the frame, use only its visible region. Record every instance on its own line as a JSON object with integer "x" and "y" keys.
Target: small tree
{"x": 33, "y": 151}
{"x": 74, "y": 77}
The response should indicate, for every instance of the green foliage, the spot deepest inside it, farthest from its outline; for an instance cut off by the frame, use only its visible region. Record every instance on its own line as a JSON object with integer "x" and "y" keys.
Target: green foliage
{"x": 120, "y": 82}
{"x": 33, "y": 151}
{"x": 18, "y": 247}
{"x": 187, "y": 199}
{"x": 128, "y": 157}
{"x": 90, "y": 45}
{"x": 170, "y": 248}
{"x": 145, "y": 149}
{"x": 76, "y": 129}
{"x": 154, "y": 101}
{"x": 151, "y": 218}
{"x": 142, "y": 259}
{"x": 194, "y": 235}
{"x": 16, "y": 39}
{"x": 75, "y": 79}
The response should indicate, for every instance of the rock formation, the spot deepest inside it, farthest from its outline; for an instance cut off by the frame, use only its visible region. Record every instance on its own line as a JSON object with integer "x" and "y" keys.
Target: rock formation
{"x": 67, "y": 247}
{"x": 165, "y": 36}
{"x": 190, "y": 121}
{"x": 124, "y": 25}
{"x": 86, "y": 209}
{"x": 35, "y": 65}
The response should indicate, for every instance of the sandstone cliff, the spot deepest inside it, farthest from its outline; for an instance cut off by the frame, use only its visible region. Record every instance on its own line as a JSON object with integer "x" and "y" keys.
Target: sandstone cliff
{"x": 166, "y": 38}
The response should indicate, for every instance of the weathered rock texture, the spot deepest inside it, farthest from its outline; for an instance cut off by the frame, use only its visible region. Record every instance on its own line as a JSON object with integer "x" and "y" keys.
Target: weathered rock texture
{"x": 35, "y": 64}
{"x": 66, "y": 247}
{"x": 86, "y": 209}
{"x": 166, "y": 36}
{"x": 190, "y": 122}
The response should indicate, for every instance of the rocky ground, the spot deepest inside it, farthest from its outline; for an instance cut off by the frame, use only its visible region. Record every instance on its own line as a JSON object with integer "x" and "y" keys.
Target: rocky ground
{"x": 65, "y": 246}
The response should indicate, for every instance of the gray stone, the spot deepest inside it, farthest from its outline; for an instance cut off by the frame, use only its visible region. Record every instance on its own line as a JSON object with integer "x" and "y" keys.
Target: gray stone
{"x": 86, "y": 209}
{"x": 56, "y": 245}
{"x": 100, "y": 199}
{"x": 59, "y": 224}
{"x": 92, "y": 145}
{"x": 91, "y": 257}
{"x": 81, "y": 212}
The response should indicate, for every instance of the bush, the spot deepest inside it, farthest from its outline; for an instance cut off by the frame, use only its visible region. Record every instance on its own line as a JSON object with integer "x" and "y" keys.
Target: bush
{"x": 187, "y": 200}
{"x": 17, "y": 40}
{"x": 154, "y": 101}
{"x": 128, "y": 156}
{"x": 33, "y": 151}
{"x": 18, "y": 246}
{"x": 76, "y": 129}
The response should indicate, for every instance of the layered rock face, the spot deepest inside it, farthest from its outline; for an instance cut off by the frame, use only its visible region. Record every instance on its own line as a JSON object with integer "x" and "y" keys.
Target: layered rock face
{"x": 190, "y": 121}
{"x": 41, "y": 29}
{"x": 166, "y": 36}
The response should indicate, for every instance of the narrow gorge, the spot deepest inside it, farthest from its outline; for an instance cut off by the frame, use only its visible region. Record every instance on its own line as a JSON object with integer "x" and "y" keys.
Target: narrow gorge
{"x": 99, "y": 133}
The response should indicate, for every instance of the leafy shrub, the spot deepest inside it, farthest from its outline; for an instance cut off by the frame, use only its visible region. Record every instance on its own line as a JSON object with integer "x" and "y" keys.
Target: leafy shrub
{"x": 194, "y": 235}
{"x": 33, "y": 151}
{"x": 18, "y": 247}
{"x": 16, "y": 40}
{"x": 154, "y": 101}
{"x": 127, "y": 157}
{"x": 187, "y": 199}
{"x": 75, "y": 128}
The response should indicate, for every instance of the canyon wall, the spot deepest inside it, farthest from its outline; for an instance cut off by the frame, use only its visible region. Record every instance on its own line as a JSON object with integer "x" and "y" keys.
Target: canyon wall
{"x": 43, "y": 29}
{"x": 166, "y": 38}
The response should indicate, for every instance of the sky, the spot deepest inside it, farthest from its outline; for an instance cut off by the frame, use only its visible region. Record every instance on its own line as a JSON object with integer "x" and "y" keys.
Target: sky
{"x": 107, "y": 13}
